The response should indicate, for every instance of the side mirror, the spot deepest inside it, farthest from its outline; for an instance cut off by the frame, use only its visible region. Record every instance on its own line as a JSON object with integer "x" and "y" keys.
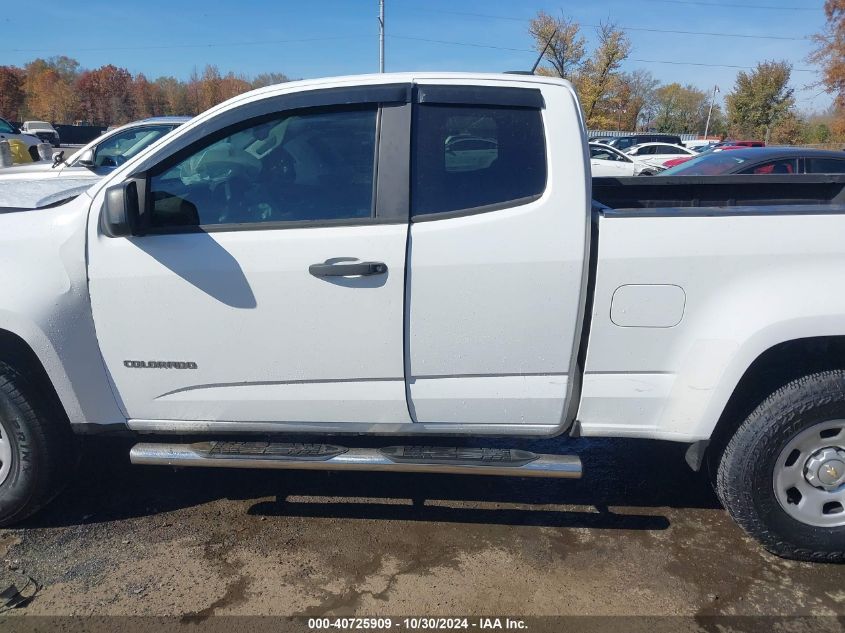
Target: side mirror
{"x": 86, "y": 159}
{"x": 121, "y": 210}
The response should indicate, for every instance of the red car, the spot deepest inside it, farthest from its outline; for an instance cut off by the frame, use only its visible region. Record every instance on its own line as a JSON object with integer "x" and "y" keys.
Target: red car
{"x": 722, "y": 148}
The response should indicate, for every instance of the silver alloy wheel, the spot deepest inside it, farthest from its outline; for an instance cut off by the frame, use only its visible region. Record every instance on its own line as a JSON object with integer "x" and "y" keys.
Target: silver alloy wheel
{"x": 5, "y": 454}
{"x": 809, "y": 475}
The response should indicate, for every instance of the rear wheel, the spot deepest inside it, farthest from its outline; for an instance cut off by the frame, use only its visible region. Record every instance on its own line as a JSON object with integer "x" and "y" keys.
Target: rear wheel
{"x": 37, "y": 449}
{"x": 782, "y": 474}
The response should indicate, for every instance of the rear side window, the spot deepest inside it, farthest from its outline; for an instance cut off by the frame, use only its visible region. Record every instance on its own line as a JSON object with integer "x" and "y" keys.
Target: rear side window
{"x": 466, "y": 158}
{"x": 825, "y": 166}
{"x": 782, "y": 166}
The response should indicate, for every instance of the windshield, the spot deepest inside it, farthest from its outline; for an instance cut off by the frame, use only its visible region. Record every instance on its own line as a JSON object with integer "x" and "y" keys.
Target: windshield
{"x": 116, "y": 149}
{"x": 38, "y": 125}
{"x": 5, "y": 127}
{"x": 707, "y": 165}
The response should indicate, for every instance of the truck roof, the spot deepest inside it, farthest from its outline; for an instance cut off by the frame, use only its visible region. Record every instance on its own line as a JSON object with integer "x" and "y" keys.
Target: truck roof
{"x": 406, "y": 77}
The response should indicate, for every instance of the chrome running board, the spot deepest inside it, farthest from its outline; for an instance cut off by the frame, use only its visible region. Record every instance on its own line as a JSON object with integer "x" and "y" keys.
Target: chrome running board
{"x": 414, "y": 459}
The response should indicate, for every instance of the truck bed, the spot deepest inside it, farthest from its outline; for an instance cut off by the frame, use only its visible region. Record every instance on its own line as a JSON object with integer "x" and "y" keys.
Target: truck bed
{"x": 714, "y": 195}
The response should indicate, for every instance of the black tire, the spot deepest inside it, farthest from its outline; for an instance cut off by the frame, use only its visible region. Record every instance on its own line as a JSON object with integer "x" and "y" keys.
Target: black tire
{"x": 745, "y": 469}
{"x": 43, "y": 449}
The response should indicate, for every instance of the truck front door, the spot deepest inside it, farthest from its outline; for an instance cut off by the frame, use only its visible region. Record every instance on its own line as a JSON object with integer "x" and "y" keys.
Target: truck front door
{"x": 268, "y": 282}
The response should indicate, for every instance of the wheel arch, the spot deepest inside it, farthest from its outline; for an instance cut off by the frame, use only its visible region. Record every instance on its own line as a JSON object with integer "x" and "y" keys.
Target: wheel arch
{"x": 775, "y": 367}
{"x": 15, "y": 351}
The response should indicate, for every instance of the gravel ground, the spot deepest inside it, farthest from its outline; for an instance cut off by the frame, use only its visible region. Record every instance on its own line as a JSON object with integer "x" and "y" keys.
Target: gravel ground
{"x": 639, "y": 535}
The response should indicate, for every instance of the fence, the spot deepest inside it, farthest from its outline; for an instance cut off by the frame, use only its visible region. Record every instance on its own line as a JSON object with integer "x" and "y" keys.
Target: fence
{"x": 684, "y": 137}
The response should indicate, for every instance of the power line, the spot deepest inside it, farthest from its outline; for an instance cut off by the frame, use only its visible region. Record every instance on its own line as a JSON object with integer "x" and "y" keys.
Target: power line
{"x": 663, "y": 61}
{"x": 531, "y": 50}
{"x": 628, "y": 28}
{"x": 453, "y": 43}
{"x": 738, "y": 6}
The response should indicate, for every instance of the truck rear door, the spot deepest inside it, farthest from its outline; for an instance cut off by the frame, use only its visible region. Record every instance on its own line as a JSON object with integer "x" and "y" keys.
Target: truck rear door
{"x": 497, "y": 253}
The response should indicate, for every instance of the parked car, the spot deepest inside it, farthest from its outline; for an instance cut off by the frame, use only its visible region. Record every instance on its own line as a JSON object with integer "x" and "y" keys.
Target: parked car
{"x": 733, "y": 143}
{"x": 9, "y": 132}
{"x": 699, "y": 145}
{"x": 625, "y": 142}
{"x": 102, "y": 155}
{"x": 762, "y": 160}
{"x": 43, "y": 130}
{"x": 609, "y": 161}
{"x": 653, "y": 155}
{"x": 302, "y": 259}
{"x": 714, "y": 149}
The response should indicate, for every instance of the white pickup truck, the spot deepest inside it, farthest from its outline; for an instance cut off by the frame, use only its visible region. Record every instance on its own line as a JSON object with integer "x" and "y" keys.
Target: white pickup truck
{"x": 418, "y": 256}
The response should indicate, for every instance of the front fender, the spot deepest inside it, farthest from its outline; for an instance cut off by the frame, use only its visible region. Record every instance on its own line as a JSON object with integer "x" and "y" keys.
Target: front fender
{"x": 45, "y": 303}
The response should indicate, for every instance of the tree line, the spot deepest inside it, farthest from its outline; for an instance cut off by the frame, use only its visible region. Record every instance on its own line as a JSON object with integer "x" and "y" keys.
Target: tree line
{"x": 761, "y": 104}
{"x": 58, "y": 90}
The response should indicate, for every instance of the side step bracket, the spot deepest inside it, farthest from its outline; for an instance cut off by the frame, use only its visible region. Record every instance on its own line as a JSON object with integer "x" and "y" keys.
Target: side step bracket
{"x": 418, "y": 459}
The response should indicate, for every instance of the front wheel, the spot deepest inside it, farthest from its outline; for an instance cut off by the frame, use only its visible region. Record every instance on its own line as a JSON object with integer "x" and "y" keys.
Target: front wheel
{"x": 782, "y": 474}
{"x": 37, "y": 448}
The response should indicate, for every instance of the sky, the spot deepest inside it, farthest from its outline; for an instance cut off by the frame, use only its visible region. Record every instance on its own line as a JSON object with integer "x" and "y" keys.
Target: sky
{"x": 314, "y": 38}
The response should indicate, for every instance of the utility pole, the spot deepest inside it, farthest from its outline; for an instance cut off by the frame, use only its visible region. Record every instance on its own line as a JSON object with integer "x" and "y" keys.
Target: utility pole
{"x": 710, "y": 112}
{"x": 381, "y": 36}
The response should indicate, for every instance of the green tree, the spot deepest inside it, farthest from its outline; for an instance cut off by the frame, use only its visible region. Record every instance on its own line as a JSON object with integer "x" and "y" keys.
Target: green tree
{"x": 830, "y": 55}
{"x": 269, "y": 79}
{"x": 681, "y": 109}
{"x": 760, "y": 99}
{"x": 174, "y": 96}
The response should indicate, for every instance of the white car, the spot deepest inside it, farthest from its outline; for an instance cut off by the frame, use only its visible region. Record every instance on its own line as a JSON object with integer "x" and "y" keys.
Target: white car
{"x": 43, "y": 130}
{"x": 606, "y": 161}
{"x": 653, "y": 155}
{"x": 9, "y": 132}
{"x": 699, "y": 145}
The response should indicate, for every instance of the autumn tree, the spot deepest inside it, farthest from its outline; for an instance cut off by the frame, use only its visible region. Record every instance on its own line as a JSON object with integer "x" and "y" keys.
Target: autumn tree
{"x": 105, "y": 95}
{"x": 830, "y": 55}
{"x": 635, "y": 97}
{"x": 48, "y": 85}
{"x": 11, "y": 92}
{"x": 147, "y": 99}
{"x": 600, "y": 76}
{"x": 760, "y": 99}
{"x": 233, "y": 85}
{"x": 566, "y": 46}
{"x": 56, "y": 90}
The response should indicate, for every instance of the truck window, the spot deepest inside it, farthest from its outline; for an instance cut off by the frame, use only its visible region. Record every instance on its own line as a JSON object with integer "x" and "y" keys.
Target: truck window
{"x": 296, "y": 167}
{"x": 467, "y": 158}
